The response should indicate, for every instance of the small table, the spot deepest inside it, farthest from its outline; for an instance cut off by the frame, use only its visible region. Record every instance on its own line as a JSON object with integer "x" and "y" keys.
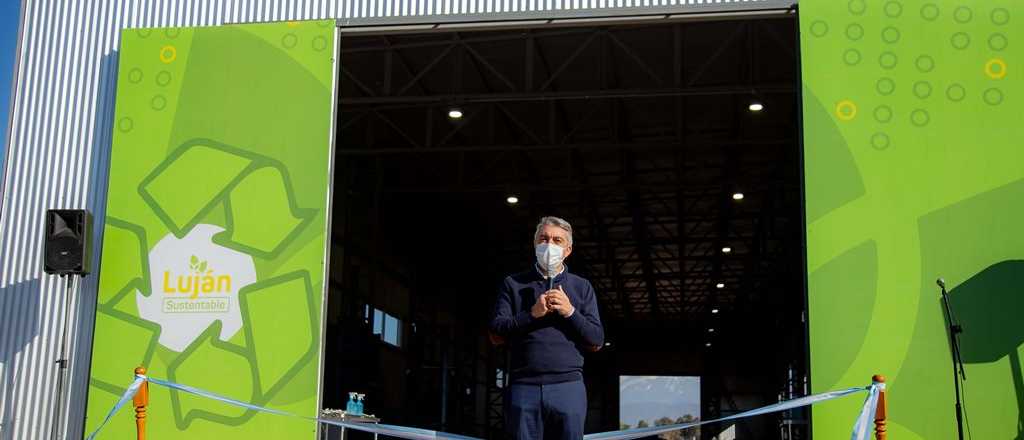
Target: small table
{"x": 342, "y": 416}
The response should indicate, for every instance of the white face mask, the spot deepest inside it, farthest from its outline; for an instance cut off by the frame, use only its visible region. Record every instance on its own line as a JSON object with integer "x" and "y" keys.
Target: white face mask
{"x": 549, "y": 256}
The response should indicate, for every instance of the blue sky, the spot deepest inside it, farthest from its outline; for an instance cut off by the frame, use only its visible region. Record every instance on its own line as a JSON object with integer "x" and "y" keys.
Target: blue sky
{"x": 9, "y": 13}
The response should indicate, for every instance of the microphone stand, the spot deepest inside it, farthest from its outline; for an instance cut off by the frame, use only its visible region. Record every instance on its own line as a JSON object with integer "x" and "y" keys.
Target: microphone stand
{"x": 958, "y": 362}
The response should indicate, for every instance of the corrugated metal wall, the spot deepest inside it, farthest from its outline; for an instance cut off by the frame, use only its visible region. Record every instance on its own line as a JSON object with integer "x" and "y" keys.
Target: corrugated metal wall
{"x": 60, "y": 138}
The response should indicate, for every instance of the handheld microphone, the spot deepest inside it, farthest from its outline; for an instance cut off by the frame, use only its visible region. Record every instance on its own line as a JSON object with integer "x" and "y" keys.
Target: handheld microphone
{"x": 941, "y": 282}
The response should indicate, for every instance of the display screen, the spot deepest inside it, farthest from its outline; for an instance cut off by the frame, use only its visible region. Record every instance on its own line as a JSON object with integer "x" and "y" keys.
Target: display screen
{"x": 659, "y": 400}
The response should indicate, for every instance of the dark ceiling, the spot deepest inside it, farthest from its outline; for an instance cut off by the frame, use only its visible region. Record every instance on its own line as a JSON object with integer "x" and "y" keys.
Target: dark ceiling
{"x": 638, "y": 134}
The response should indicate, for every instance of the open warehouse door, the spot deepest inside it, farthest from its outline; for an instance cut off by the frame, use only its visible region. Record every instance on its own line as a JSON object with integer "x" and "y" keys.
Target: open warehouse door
{"x": 683, "y": 195}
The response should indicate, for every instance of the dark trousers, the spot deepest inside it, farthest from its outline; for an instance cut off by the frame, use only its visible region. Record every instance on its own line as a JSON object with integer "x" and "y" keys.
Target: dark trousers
{"x": 545, "y": 412}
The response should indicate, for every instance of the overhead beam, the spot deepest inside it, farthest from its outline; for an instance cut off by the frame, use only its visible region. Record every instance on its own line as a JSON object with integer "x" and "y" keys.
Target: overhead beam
{"x": 693, "y": 143}
{"x": 602, "y": 94}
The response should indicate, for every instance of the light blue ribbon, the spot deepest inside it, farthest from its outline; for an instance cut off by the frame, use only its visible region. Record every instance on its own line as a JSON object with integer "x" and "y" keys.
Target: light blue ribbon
{"x": 392, "y": 430}
{"x": 862, "y": 427}
{"x": 397, "y": 431}
{"x": 128, "y": 395}
{"x": 861, "y": 430}
{"x": 217, "y": 397}
{"x": 777, "y": 407}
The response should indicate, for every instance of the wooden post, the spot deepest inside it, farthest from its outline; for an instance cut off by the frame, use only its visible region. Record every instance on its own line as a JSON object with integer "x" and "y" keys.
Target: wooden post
{"x": 880, "y": 413}
{"x": 140, "y": 401}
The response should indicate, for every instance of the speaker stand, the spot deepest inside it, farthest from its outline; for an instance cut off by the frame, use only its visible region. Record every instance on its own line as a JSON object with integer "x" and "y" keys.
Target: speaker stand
{"x": 57, "y": 425}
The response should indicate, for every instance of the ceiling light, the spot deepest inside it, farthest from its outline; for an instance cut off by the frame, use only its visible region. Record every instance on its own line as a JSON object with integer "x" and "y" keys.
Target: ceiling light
{"x": 512, "y": 199}
{"x": 455, "y": 113}
{"x": 714, "y": 311}
{"x": 607, "y": 344}
{"x": 737, "y": 196}
{"x": 755, "y": 106}
{"x": 726, "y": 250}
{"x": 720, "y": 285}
{"x": 711, "y": 330}
{"x": 708, "y": 344}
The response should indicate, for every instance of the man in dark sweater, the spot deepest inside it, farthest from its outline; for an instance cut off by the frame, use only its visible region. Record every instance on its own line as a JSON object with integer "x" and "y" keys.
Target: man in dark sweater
{"x": 548, "y": 317}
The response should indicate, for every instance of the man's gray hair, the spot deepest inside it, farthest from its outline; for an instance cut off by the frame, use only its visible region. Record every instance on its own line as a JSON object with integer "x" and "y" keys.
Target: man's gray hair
{"x": 553, "y": 221}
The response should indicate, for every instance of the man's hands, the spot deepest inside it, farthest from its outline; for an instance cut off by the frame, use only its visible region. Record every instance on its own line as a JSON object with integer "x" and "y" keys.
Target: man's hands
{"x": 554, "y": 300}
{"x": 540, "y": 308}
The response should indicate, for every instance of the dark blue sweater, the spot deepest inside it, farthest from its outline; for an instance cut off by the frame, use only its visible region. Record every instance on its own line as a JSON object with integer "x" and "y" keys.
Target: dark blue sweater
{"x": 548, "y": 349}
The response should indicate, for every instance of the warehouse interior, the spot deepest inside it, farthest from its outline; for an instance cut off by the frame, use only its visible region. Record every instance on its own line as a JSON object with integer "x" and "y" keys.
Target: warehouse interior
{"x": 684, "y": 195}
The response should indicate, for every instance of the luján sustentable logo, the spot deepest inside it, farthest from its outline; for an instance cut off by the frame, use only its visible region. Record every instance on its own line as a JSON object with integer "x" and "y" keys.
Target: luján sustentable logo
{"x": 195, "y": 282}
{"x": 197, "y": 290}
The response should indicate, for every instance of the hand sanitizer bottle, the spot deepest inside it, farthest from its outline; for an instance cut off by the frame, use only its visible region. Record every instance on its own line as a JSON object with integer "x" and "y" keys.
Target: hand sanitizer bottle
{"x": 350, "y": 407}
{"x": 359, "y": 403}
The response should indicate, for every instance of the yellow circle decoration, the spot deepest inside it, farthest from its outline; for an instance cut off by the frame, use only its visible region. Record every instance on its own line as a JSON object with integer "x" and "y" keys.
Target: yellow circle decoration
{"x": 168, "y": 54}
{"x": 846, "y": 110}
{"x": 995, "y": 74}
{"x": 293, "y": 24}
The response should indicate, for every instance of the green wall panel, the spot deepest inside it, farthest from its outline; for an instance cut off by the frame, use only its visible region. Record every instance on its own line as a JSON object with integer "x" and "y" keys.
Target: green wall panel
{"x": 914, "y": 170}
{"x": 215, "y": 234}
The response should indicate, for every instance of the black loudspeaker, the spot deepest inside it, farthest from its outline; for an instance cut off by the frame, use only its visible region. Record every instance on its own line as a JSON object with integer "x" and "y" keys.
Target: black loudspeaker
{"x": 66, "y": 249}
